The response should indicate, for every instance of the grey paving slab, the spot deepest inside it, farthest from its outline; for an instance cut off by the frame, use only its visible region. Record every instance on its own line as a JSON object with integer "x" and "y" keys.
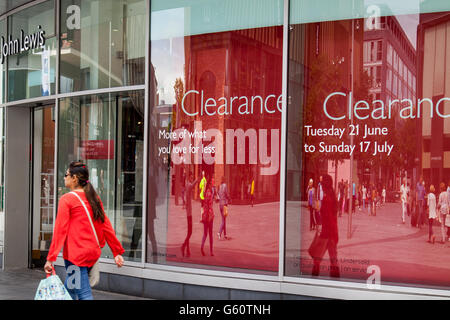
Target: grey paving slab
{"x": 21, "y": 284}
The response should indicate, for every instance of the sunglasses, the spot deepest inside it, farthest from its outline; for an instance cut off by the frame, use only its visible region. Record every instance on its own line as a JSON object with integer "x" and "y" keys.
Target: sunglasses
{"x": 66, "y": 175}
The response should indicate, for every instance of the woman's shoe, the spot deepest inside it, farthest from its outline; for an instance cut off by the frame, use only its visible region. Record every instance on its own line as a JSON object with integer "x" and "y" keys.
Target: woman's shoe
{"x": 218, "y": 234}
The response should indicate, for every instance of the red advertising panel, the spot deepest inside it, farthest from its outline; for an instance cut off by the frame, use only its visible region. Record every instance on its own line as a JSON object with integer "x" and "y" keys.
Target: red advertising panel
{"x": 218, "y": 145}
{"x": 369, "y": 133}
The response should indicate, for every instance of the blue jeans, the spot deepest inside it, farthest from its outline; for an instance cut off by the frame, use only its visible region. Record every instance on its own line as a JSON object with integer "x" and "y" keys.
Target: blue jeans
{"x": 77, "y": 281}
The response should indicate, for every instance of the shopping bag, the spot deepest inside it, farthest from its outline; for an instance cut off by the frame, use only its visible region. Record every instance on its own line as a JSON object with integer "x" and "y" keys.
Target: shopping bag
{"x": 225, "y": 211}
{"x": 318, "y": 246}
{"x": 94, "y": 275}
{"x": 52, "y": 288}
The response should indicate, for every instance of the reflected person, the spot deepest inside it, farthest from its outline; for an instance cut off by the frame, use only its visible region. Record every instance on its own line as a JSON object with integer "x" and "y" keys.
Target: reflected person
{"x": 224, "y": 200}
{"x": 189, "y": 186}
{"x": 208, "y": 219}
{"x": 329, "y": 227}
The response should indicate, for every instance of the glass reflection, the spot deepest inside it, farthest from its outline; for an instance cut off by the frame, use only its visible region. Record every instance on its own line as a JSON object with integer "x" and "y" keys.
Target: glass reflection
{"x": 107, "y": 132}
{"x": 366, "y": 96}
{"x": 214, "y": 140}
{"x": 31, "y": 73}
{"x": 102, "y": 44}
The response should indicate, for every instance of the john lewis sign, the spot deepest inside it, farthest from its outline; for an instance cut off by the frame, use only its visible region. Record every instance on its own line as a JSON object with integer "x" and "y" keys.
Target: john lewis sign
{"x": 23, "y": 43}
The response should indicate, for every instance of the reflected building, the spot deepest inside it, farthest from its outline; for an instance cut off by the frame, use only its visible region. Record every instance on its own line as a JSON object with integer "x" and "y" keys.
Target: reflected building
{"x": 389, "y": 60}
{"x": 434, "y": 83}
{"x": 228, "y": 68}
{"x": 390, "y": 63}
{"x": 320, "y": 63}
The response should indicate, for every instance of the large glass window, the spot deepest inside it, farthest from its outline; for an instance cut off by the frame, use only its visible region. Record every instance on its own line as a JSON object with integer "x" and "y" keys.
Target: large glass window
{"x": 107, "y": 133}
{"x": 102, "y": 44}
{"x": 370, "y": 191}
{"x": 216, "y": 113}
{"x": 31, "y": 73}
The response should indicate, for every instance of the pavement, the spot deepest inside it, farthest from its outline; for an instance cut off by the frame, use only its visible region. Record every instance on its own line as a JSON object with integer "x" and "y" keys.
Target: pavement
{"x": 21, "y": 284}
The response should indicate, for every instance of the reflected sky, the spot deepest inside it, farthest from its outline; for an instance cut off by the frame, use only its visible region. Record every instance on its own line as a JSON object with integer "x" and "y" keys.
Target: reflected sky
{"x": 409, "y": 24}
{"x": 167, "y": 51}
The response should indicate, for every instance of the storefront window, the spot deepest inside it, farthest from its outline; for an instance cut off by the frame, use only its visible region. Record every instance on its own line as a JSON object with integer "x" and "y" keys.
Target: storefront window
{"x": 31, "y": 73}
{"x": 373, "y": 193}
{"x": 102, "y": 44}
{"x": 107, "y": 133}
{"x": 215, "y": 114}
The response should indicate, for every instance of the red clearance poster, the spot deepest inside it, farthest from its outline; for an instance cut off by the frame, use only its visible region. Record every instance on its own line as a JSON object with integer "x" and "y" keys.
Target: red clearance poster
{"x": 224, "y": 134}
{"x": 374, "y": 172}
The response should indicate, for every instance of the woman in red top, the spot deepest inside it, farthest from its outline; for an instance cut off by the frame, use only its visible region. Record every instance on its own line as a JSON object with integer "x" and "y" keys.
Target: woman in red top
{"x": 73, "y": 230}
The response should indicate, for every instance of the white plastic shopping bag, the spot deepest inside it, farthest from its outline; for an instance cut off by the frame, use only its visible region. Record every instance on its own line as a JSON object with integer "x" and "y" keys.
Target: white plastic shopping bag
{"x": 52, "y": 288}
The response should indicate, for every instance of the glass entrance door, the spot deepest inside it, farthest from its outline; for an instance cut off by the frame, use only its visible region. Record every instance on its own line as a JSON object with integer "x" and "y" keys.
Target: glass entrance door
{"x": 42, "y": 182}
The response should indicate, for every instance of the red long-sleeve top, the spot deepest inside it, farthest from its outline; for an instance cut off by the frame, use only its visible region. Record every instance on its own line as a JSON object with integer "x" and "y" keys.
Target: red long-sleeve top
{"x": 74, "y": 231}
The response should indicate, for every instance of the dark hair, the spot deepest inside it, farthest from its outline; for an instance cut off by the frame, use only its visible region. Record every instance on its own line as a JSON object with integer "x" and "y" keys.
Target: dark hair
{"x": 79, "y": 169}
{"x": 327, "y": 184}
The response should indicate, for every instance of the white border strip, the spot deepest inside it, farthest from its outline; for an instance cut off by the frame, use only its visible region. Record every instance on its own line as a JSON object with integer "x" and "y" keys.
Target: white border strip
{"x": 20, "y": 8}
{"x": 146, "y": 137}
{"x": 73, "y": 94}
{"x": 283, "y": 142}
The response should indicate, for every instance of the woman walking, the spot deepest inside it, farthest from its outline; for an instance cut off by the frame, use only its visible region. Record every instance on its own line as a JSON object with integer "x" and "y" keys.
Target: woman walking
{"x": 223, "y": 201}
{"x": 311, "y": 194}
{"x": 443, "y": 209}
{"x": 208, "y": 219}
{"x": 431, "y": 213}
{"x": 190, "y": 184}
{"x": 75, "y": 231}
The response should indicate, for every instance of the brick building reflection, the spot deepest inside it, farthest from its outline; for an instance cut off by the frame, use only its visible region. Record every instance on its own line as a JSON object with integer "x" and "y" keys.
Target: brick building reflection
{"x": 241, "y": 63}
{"x": 433, "y": 147}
